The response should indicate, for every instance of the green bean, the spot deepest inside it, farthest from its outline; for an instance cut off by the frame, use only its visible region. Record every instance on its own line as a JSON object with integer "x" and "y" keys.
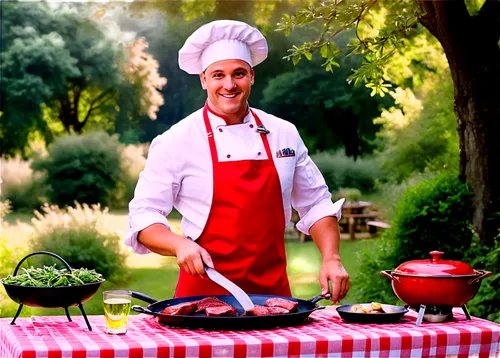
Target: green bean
{"x": 49, "y": 276}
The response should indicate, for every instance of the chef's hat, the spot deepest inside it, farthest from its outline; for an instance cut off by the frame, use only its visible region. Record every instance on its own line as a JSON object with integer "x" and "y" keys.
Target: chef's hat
{"x": 222, "y": 40}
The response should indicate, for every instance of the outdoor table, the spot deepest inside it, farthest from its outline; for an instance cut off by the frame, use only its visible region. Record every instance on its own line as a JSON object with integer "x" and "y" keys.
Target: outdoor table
{"x": 356, "y": 214}
{"x": 326, "y": 335}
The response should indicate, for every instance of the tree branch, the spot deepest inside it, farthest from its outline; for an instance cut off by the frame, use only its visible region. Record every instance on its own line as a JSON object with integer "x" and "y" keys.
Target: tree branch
{"x": 101, "y": 96}
{"x": 109, "y": 95}
{"x": 65, "y": 112}
{"x": 76, "y": 98}
{"x": 103, "y": 99}
{"x": 357, "y": 18}
{"x": 429, "y": 18}
{"x": 359, "y": 38}
{"x": 454, "y": 13}
{"x": 451, "y": 16}
{"x": 490, "y": 13}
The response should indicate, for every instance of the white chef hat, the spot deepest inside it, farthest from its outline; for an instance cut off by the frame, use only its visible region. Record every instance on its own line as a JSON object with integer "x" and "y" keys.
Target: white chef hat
{"x": 222, "y": 40}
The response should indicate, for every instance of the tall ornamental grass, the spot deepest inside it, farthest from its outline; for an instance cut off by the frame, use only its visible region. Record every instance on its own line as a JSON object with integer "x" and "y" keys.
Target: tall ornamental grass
{"x": 21, "y": 186}
{"x": 82, "y": 237}
{"x": 12, "y": 250}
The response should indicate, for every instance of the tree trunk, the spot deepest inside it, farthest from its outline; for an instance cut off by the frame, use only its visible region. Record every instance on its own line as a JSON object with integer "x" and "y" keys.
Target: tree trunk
{"x": 471, "y": 46}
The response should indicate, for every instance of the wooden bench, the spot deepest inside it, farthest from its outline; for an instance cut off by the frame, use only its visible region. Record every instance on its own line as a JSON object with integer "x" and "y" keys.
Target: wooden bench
{"x": 355, "y": 220}
{"x": 373, "y": 226}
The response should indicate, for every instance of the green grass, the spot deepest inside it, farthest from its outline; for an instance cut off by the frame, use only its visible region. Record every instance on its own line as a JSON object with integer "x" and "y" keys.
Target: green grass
{"x": 156, "y": 276}
{"x": 13, "y": 218}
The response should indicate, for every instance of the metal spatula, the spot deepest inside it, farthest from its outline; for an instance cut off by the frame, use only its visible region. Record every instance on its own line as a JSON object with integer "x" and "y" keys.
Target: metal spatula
{"x": 237, "y": 292}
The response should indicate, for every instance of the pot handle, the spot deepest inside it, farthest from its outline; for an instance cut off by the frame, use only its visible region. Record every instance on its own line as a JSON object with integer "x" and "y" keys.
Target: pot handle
{"x": 143, "y": 310}
{"x": 39, "y": 253}
{"x": 143, "y": 297}
{"x": 319, "y": 298}
{"x": 483, "y": 274}
{"x": 388, "y": 274}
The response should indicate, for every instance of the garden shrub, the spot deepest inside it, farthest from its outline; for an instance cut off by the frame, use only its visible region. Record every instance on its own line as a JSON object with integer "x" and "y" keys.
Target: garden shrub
{"x": 391, "y": 191}
{"x": 12, "y": 250}
{"x": 81, "y": 236}
{"x": 350, "y": 194}
{"x": 83, "y": 168}
{"x": 419, "y": 133}
{"x": 132, "y": 162}
{"x": 432, "y": 215}
{"x": 486, "y": 303}
{"x": 21, "y": 186}
{"x": 341, "y": 171}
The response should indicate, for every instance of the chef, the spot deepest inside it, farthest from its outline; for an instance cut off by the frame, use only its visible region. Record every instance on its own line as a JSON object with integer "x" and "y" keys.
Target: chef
{"x": 234, "y": 173}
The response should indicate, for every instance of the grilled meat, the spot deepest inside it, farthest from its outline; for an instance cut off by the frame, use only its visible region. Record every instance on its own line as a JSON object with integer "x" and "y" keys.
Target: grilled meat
{"x": 225, "y": 310}
{"x": 181, "y": 308}
{"x": 207, "y": 302}
{"x": 289, "y": 305}
{"x": 257, "y": 311}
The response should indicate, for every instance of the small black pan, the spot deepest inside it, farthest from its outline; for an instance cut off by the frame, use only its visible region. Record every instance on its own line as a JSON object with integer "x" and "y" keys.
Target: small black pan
{"x": 200, "y": 320}
{"x": 51, "y": 297}
{"x": 391, "y": 314}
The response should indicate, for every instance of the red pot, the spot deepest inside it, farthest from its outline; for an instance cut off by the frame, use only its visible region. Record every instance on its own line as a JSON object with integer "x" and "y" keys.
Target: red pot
{"x": 435, "y": 282}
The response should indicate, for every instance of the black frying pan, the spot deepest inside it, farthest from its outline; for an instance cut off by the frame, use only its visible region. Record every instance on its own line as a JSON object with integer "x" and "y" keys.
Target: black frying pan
{"x": 200, "y": 320}
{"x": 391, "y": 314}
{"x": 51, "y": 297}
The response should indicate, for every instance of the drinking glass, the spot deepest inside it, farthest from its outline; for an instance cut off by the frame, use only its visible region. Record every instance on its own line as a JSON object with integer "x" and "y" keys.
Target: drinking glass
{"x": 116, "y": 310}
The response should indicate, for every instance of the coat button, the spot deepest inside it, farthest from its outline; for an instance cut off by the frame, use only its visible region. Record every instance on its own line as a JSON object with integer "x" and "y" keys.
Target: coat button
{"x": 228, "y": 156}
{"x": 251, "y": 125}
{"x": 259, "y": 153}
{"x": 220, "y": 130}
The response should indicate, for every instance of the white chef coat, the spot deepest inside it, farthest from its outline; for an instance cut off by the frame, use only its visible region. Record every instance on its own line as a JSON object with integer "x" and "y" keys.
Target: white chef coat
{"x": 179, "y": 173}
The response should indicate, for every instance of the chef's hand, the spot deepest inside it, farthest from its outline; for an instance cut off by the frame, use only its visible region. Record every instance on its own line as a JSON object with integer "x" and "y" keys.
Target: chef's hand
{"x": 333, "y": 271}
{"x": 191, "y": 256}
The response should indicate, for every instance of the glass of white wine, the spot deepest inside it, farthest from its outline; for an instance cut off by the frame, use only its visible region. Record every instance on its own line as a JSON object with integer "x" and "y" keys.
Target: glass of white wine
{"x": 116, "y": 310}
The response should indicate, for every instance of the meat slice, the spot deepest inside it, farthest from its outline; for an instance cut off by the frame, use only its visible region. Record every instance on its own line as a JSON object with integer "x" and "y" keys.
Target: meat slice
{"x": 224, "y": 310}
{"x": 257, "y": 311}
{"x": 204, "y": 303}
{"x": 283, "y": 303}
{"x": 181, "y": 308}
{"x": 277, "y": 310}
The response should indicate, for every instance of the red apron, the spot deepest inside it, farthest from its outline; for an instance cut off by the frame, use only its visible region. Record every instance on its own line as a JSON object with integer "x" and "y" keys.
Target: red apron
{"x": 245, "y": 229}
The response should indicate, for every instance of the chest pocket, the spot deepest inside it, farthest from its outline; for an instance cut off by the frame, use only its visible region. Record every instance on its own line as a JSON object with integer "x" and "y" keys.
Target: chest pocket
{"x": 286, "y": 171}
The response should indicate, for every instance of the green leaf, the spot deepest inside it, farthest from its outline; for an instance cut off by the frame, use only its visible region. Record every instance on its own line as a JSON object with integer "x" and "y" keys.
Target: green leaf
{"x": 296, "y": 59}
{"x": 324, "y": 51}
{"x": 334, "y": 63}
{"x": 308, "y": 55}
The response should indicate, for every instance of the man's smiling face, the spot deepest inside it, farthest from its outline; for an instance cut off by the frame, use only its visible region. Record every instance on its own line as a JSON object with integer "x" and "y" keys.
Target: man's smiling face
{"x": 228, "y": 84}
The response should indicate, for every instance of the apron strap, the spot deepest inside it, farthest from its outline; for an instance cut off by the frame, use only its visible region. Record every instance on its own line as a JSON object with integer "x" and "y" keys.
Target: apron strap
{"x": 211, "y": 140}
{"x": 263, "y": 136}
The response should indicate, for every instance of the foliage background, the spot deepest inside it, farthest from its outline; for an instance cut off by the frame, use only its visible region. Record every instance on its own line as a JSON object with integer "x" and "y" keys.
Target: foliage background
{"x": 120, "y": 61}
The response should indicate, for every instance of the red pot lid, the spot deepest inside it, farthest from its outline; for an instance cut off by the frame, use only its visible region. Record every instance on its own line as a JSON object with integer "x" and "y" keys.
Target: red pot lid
{"x": 435, "y": 266}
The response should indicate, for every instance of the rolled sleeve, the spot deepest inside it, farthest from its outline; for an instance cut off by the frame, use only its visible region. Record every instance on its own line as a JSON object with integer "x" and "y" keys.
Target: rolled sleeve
{"x": 322, "y": 209}
{"x": 137, "y": 223}
{"x": 154, "y": 194}
{"x": 310, "y": 195}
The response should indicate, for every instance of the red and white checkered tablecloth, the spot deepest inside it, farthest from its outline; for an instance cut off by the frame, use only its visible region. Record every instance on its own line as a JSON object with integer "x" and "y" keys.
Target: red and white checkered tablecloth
{"x": 325, "y": 336}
